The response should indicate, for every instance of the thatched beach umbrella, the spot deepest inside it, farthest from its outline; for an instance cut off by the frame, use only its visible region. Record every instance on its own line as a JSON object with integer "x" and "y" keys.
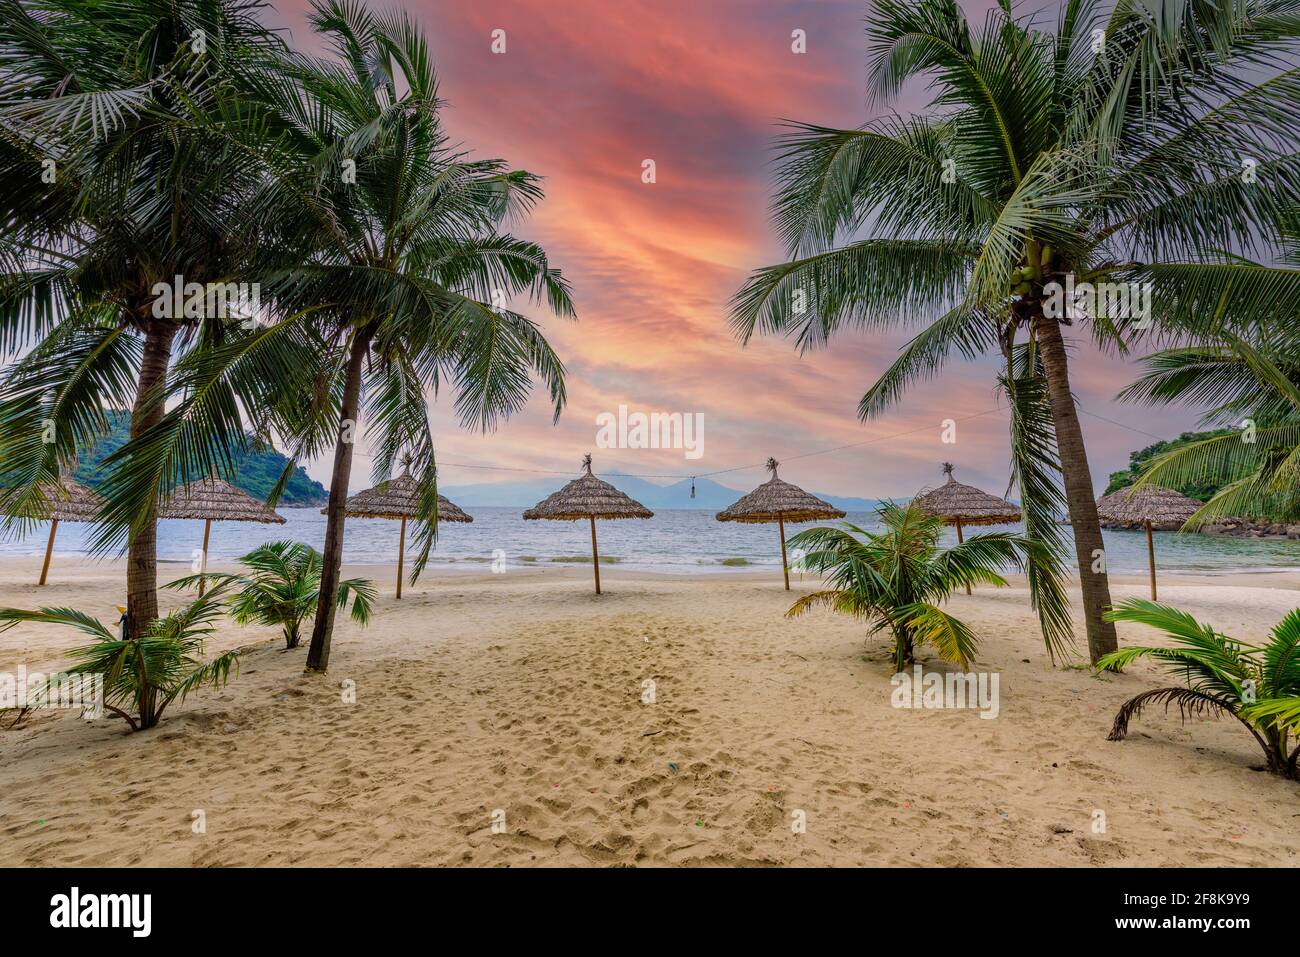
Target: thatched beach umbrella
{"x": 214, "y": 500}
{"x": 962, "y": 505}
{"x": 590, "y": 498}
{"x": 780, "y": 502}
{"x": 1147, "y": 507}
{"x": 398, "y": 498}
{"x": 70, "y": 501}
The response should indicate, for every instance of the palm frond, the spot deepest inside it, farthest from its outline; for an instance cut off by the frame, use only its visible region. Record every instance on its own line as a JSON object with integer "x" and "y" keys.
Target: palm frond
{"x": 1210, "y": 662}
{"x": 1036, "y": 470}
{"x": 1276, "y": 713}
{"x": 931, "y": 625}
{"x": 1190, "y": 702}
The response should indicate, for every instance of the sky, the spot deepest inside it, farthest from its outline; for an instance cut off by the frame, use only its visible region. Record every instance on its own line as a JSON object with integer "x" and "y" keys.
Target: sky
{"x": 585, "y": 92}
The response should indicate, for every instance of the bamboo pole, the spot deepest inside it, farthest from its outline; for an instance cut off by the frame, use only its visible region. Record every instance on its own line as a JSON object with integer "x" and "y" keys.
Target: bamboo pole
{"x": 1151, "y": 559}
{"x": 401, "y": 557}
{"x": 49, "y": 551}
{"x": 780, "y": 524}
{"x": 203, "y": 560}
{"x": 960, "y": 540}
{"x": 595, "y": 555}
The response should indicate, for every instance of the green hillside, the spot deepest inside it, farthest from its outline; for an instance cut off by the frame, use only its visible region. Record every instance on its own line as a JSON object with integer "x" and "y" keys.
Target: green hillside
{"x": 1201, "y": 491}
{"x": 257, "y": 471}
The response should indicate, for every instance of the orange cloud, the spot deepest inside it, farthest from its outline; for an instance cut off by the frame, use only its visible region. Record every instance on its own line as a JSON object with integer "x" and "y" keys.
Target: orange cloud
{"x": 586, "y": 91}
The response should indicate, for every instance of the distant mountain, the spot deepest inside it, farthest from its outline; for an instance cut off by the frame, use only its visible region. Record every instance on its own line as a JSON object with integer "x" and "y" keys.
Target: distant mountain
{"x": 708, "y": 493}
{"x": 850, "y": 504}
{"x": 257, "y": 471}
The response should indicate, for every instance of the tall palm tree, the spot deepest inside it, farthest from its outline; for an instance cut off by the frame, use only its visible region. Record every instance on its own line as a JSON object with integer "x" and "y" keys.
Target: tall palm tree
{"x": 107, "y": 189}
{"x": 1099, "y": 152}
{"x": 376, "y": 244}
{"x": 406, "y": 272}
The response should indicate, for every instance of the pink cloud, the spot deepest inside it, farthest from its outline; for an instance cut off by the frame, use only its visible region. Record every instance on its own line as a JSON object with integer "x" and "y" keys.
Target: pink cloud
{"x": 586, "y": 91}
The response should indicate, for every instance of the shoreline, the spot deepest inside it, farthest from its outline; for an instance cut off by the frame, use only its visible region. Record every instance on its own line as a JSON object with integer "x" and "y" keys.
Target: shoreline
{"x": 16, "y": 568}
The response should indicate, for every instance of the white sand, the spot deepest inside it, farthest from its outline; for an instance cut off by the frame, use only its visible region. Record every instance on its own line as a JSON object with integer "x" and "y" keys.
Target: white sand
{"x": 522, "y": 692}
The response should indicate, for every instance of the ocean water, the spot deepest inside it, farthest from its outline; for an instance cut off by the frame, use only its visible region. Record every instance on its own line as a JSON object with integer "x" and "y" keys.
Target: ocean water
{"x": 675, "y": 541}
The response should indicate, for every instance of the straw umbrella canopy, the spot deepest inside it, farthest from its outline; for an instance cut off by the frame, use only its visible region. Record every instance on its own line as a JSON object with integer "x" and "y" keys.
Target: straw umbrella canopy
{"x": 398, "y": 498}
{"x": 590, "y": 498}
{"x": 780, "y": 502}
{"x": 214, "y": 500}
{"x": 69, "y": 501}
{"x": 962, "y": 505}
{"x": 1147, "y": 507}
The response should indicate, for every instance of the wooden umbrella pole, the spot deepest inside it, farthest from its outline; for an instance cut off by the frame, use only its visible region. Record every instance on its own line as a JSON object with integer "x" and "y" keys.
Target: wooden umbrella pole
{"x": 203, "y": 559}
{"x": 1151, "y": 559}
{"x": 780, "y": 524}
{"x": 960, "y": 540}
{"x": 401, "y": 557}
{"x": 595, "y": 555}
{"x": 49, "y": 550}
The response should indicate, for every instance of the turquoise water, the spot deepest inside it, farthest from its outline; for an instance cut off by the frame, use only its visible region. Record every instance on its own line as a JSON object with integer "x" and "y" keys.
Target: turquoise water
{"x": 675, "y": 540}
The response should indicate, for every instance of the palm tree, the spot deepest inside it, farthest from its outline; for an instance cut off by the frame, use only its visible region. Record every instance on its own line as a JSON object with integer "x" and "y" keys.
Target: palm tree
{"x": 108, "y": 190}
{"x": 1259, "y": 686}
{"x": 145, "y": 673}
{"x": 1101, "y": 152}
{"x": 375, "y": 243}
{"x": 406, "y": 273}
{"x": 1246, "y": 370}
{"x": 899, "y": 577}
{"x": 282, "y": 587}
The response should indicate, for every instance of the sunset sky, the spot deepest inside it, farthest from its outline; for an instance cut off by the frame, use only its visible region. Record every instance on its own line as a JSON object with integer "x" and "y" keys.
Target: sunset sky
{"x": 587, "y": 90}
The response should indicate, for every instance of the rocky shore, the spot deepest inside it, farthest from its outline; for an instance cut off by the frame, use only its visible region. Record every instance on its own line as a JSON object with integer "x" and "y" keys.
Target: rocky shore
{"x": 1227, "y": 528}
{"x": 1243, "y": 528}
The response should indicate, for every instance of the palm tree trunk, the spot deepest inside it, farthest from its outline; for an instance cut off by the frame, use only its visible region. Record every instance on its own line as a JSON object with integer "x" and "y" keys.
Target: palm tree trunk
{"x": 902, "y": 649}
{"x": 1276, "y": 750}
{"x": 318, "y": 655}
{"x": 148, "y": 411}
{"x": 1078, "y": 488}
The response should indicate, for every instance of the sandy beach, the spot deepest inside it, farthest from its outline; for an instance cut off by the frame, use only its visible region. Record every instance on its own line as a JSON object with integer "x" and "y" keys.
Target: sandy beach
{"x": 522, "y": 693}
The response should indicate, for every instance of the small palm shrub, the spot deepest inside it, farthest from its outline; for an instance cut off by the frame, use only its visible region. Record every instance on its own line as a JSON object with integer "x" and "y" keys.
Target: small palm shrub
{"x": 1257, "y": 685}
{"x": 897, "y": 578}
{"x": 282, "y": 587}
{"x": 143, "y": 675}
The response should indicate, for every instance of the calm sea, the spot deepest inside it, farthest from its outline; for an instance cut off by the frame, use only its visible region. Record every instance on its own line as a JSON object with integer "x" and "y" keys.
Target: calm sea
{"x": 675, "y": 540}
